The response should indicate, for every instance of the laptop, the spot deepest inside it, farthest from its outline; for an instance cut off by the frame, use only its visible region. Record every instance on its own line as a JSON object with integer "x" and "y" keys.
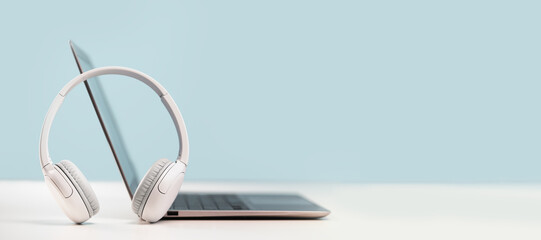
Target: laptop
{"x": 191, "y": 205}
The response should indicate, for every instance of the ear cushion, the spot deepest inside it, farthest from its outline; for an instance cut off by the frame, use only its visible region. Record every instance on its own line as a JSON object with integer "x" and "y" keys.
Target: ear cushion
{"x": 147, "y": 184}
{"x": 81, "y": 185}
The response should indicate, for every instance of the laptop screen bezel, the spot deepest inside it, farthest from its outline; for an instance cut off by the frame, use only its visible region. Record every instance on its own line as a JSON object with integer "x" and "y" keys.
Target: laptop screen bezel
{"x": 79, "y": 55}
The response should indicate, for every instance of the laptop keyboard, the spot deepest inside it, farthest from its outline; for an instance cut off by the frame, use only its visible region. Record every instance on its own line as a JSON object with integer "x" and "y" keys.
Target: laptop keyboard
{"x": 196, "y": 201}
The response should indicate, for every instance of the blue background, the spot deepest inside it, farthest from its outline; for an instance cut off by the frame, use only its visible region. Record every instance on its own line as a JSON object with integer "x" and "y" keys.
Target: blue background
{"x": 369, "y": 91}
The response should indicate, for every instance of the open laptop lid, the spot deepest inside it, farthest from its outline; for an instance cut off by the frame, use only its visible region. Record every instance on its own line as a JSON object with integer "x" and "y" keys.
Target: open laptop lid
{"x": 259, "y": 205}
{"x": 107, "y": 121}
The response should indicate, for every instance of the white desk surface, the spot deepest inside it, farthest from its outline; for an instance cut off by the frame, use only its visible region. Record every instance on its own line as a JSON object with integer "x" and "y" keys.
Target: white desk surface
{"x": 359, "y": 211}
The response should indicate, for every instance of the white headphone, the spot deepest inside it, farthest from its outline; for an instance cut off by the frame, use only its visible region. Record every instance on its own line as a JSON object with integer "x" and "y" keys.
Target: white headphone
{"x": 156, "y": 191}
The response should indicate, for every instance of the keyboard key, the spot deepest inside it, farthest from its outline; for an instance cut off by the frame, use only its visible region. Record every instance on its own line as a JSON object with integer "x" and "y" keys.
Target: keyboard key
{"x": 180, "y": 203}
{"x": 194, "y": 202}
{"x": 221, "y": 203}
{"x": 207, "y": 203}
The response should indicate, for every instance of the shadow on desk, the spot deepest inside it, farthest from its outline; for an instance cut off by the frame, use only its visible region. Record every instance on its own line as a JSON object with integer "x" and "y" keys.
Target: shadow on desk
{"x": 46, "y": 222}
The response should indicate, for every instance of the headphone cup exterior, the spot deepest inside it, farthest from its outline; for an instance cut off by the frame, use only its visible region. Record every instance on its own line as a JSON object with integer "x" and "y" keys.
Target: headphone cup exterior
{"x": 82, "y": 186}
{"x": 147, "y": 184}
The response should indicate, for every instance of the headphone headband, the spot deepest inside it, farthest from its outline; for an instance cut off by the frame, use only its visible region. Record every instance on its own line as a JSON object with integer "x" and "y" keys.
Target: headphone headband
{"x": 166, "y": 99}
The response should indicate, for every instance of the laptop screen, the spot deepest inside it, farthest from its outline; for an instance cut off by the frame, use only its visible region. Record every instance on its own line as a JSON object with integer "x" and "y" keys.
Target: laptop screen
{"x": 107, "y": 121}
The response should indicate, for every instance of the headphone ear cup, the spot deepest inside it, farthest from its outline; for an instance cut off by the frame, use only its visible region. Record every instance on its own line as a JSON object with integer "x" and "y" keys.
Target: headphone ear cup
{"x": 82, "y": 186}
{"x": 147, "y": 184}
